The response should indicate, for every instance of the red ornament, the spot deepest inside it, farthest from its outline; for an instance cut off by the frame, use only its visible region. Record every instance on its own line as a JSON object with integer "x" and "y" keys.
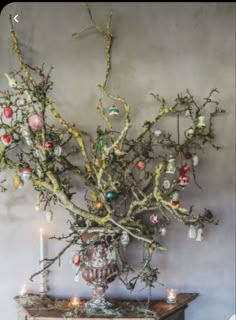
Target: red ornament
{"x": 175, "y": 203}
{"x": 35, "y": 122}
{"x": 140, "y": 165}
{"x": 188, "y": 155}
{"x": 153, "y": 219}
{"x": 99, "y": 205}
{"x": 183, "y": 180}
{"x": 26, "y": 173}
{"x": 76, "y": 259}
{"x": 6, "y": 139}
{"x": 186, "y": 168}
{"x": 48, "y": 145}
{"x": 8, "y": 112}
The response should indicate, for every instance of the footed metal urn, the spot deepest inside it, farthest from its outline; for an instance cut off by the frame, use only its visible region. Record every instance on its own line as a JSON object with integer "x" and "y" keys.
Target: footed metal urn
{"x": 99, "y": 269}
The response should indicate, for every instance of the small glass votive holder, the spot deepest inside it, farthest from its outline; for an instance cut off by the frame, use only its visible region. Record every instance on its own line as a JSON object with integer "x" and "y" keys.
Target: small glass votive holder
{"x": 171, "y": 296}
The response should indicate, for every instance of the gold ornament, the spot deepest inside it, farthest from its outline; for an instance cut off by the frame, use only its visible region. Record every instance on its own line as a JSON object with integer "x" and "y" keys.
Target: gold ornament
{"x": 17, "y": 181}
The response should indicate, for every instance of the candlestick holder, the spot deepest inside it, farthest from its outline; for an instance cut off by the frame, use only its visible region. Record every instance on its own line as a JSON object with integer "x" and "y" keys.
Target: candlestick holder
{"x": 171, "y": 296}
{"x": 43, "y": 288}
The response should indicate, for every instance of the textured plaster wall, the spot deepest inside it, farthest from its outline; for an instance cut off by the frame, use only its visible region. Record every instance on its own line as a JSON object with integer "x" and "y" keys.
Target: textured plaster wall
{"x": 159, "y": 47}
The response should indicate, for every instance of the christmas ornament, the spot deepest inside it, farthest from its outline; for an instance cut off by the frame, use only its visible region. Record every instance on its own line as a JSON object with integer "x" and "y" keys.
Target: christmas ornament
{"x": 195, "y": 159}
{"x": 187, "y": 113}
{"x": 166, "y": 184}
{"x": 110, "y": 195}
{"x": 8, "y": 112}
{"x": 17, "y": 182}
{"x": 154, "y": 219}
{"x": 98, "y": 163}
{"x": 39, "y": 171}
{"x": 99, "y": 205}
{"x": 100, "y": 146}
{"x": 11, "y": 82}
{"x": 186, "y": 168}
{"x": 57, "y": 151}
{"x": 140, "y": 165}
{"x": 6, "y": 139}
{"x": 157, "y": 132}
{"x": 199, "y": 236}
{"x": 201, "y": 122}
{"x": 175, "y": 199}
{"x": 192, "y": 232}
{"x": 162, "y": 231}
{"x": 113, "y": 111}
{"x": 183, "y": 180}
{"x": 171, "y": 165}
{"x": 188, "y": 155}
{"x": 76, "y": 259}
{"x": 49, "y": 216}
{"x": 48, "y": 145}
{"x": 189, "y": 133}
{"x": 26, "y": 174}
{"x": 208, "y": 214}
{"x": 119, "y": 152}
{"x": 40, "y": 153}
{"x": 124, "y": 239}
{"x": 36, "y": 122}
{"x": 26, "y": 133}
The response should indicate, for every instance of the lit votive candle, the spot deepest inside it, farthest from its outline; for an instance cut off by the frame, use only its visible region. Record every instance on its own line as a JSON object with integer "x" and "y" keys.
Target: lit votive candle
{"x": 171, "y": 296}
{"x": 75, "y": 302}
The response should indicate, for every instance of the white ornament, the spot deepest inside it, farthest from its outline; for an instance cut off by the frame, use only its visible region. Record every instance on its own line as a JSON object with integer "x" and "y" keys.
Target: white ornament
{"x": 162, "y": 231}
{"x": 192, "y": 232}
{"x": 124, "y": 239}
{"x": 171, "y": 165}
{"x": 166, "y": 184}
{"x": 187, "y": 113}
{"x": 201, "y": 122}
{"x": 189, "y": 133}
{"x": 199, "y": 236}
{"x": 195, "y": 159}
{"x": 157, "y": 132}
{"x": 57, "y": 151}
{"x": 12, "y": 82}
{"x": 49, "y": 216}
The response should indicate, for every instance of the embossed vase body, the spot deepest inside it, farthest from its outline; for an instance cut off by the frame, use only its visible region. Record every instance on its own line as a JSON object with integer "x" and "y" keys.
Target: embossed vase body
{"x": 100, "y": 268}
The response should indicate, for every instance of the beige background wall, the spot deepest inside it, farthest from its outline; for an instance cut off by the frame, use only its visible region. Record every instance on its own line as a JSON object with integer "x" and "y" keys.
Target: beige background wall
{"x": 159, "y": 47}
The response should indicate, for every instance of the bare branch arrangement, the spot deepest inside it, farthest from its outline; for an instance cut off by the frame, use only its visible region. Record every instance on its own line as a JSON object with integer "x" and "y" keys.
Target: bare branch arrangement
{"x": 126, "y": 178}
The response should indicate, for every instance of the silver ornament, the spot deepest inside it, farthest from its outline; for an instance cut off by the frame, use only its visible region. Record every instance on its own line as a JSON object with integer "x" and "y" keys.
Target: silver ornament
{"x": 171, "y": 165}
{"x": 57, "y": 151}
{"x": 199, "y": 236}
{"x": 162, "y": 231}
{"x": 166, "y": 184}
{"x": 124, "y": 239}
{"x": 192, "y": 232}
{"x": 49, "y": 216}
{"x": 189, "y": 133}
{"x": 157, "y": 132}
{"x": 195, "y": 159}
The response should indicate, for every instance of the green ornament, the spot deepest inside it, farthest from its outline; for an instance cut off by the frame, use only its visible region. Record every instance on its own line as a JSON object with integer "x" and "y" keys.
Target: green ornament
{"x": 113, "y": 111}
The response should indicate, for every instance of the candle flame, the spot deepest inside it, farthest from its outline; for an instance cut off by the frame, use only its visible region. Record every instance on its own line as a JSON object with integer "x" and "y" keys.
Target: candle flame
{"x": 41, "y": 230}
{"x": 75, "y": 301}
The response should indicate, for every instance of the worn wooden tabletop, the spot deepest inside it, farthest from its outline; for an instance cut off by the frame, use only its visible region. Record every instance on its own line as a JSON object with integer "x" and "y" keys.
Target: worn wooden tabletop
{"x": 160, "y": 307}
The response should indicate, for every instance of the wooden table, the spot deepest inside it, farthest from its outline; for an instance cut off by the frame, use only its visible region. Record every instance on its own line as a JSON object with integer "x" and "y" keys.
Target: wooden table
{"x": 162, "y": 309}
